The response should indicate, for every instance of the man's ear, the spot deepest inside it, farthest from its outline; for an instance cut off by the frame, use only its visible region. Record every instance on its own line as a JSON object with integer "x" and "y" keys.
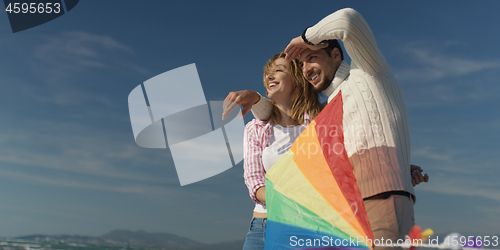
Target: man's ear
{"x": 336, "y": 54}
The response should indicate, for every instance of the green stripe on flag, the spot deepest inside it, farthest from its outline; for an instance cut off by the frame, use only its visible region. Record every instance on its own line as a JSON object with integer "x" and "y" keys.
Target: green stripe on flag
{"x": 286, "y": 211}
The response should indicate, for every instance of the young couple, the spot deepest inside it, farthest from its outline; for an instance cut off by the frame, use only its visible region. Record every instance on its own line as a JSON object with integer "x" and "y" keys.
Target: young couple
{"x": 375, "y": 123}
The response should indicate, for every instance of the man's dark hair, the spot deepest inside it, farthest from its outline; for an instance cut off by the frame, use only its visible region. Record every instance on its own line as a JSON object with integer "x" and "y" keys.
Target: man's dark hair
{"x": 331, "y": 45}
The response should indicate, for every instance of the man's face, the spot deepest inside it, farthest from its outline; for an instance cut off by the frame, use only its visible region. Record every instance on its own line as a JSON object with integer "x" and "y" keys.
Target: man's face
{"x": 319, "y": 68}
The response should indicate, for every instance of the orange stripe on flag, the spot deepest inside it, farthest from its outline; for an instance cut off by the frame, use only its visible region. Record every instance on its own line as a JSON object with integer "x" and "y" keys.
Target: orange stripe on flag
{"x": 309, "y": 159}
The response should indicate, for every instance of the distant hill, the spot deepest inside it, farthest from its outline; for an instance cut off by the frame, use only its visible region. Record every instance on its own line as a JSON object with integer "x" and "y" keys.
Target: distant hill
{"x": 166, "y": 241}
{"x": 230, "y": 245}
{"x": 138, "y": 238}
{"x": 150, "y": 239}
{"x": 64, "y": 238}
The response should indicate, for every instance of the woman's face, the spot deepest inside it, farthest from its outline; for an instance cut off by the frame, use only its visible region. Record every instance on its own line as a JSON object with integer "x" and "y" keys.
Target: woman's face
{"x": 279, "y": 82}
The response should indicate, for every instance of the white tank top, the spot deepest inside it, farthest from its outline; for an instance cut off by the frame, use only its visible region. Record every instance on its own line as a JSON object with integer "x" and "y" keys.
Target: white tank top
{"x": 280, "y": 141}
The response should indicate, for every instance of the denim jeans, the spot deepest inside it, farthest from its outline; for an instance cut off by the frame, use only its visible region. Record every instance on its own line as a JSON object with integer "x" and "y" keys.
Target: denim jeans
{"x": 255, "y": 236}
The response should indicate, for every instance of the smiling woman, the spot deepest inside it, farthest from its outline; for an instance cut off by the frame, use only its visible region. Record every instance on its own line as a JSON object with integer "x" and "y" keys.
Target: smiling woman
{"x": 294, "y": 105}
{"x": 294, "y": 95}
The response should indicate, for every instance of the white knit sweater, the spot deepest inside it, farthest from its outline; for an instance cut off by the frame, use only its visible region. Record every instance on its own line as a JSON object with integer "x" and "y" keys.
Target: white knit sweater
{"x": 375, "y": 123}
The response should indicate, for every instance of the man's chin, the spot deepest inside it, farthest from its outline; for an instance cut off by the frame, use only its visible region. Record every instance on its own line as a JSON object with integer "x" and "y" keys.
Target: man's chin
{"x": 321, "y": 86}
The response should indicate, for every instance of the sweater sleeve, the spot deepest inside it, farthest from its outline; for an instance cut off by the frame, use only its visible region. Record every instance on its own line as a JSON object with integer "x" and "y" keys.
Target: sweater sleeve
{"x": 254, "y": 172}
{"x": 350, "y": 27}
{"x": 263, "y": 109}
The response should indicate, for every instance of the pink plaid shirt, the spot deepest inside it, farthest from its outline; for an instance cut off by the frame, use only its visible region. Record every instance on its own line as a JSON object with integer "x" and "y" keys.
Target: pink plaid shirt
{"x": 256, "y": 138}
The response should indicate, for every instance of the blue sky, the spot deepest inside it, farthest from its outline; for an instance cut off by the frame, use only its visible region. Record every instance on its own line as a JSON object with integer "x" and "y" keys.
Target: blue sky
{"x": 69, "y": 163}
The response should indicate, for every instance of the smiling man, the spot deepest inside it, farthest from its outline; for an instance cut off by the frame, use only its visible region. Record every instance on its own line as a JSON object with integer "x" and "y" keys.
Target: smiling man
{"x": 319, "y": 66}
{"x": 375, "y": 123}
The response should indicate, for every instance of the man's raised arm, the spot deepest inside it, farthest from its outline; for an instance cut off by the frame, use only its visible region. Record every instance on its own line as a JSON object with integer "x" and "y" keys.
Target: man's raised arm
{"x": 350, "y": 27}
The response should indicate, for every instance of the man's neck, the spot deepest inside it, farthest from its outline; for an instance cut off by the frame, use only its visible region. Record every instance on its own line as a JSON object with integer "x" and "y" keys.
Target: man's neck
{"x": 340, "y": 75}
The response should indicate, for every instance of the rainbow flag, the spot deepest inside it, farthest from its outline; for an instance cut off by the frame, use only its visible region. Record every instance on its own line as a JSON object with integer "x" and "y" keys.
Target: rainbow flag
{"x": 312, "y": 199}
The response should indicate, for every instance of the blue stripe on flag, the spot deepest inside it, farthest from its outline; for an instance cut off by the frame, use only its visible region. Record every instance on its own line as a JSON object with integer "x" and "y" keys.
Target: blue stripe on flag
{"x": 283, "y": 236}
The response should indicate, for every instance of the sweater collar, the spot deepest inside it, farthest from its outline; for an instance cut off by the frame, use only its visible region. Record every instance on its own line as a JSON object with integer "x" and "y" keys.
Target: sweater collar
{"x": 341, "y": 74}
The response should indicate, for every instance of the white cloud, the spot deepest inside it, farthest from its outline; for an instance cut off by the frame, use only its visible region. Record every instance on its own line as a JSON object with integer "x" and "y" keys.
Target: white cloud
{"x": 440, "y": 73}
{"x": 432, "y": 64}
{"x": 75, "y": 150}
{"x": 70, "y": 68}
{"x": 453, "y": 185}
{"x": 454, "y": 171}
{"x": 429, "y": 153}
{"x": 456, "y": 161}
{"x": 490, "y": 213}
{"x": 69, "y": 50}
{"x": 71, "y": 182}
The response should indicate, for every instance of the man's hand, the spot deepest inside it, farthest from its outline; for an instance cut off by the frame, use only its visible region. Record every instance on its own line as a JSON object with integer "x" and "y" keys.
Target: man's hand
{"x": 297, "y": 46}
{"x": 416, "y": 175}
{"x": 245, "y": 98}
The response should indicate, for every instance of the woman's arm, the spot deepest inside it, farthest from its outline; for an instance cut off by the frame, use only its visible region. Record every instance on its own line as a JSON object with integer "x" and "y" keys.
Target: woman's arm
{"x": 254, "y": 172}
{"x": 261, "y": 194}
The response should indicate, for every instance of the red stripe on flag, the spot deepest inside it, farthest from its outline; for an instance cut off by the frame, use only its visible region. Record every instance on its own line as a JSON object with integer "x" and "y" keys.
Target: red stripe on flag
{"x": 331, "y": 138}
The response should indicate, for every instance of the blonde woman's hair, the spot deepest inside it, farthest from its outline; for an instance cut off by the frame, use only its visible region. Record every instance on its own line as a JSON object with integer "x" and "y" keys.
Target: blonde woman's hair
{"x": 304, "y": 98}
